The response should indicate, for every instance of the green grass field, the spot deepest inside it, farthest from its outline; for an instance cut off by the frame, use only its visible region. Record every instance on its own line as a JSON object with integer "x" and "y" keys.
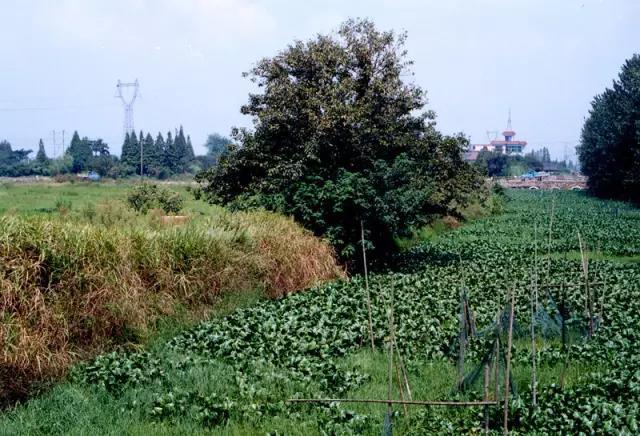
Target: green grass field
{"x": 45, "y": 198}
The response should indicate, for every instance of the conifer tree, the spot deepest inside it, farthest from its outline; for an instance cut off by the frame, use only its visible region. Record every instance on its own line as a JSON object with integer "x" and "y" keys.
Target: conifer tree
{"x": 41, "y": 157}
{"x": 80, "y": 151}
{"x": 130, "y": 156}
{"x": 171, "y": 155}
{"x": 190, "y": 151}
{"x": 183, "y": 151}
{"x": 152, "y": 157}
{"x": 161, "y": 147}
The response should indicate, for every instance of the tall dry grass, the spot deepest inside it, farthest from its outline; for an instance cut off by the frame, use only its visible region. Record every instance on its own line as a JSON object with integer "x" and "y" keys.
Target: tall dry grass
{"x": 70, "y": 288}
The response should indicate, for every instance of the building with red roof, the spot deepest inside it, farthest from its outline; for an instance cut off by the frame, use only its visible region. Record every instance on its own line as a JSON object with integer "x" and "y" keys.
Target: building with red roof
{"x": 506, "y": 146}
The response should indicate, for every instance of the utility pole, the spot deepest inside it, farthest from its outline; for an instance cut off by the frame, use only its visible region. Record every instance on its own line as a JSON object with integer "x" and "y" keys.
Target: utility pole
{"x": 53, "y": 134}
{"x": 141, "y": 154}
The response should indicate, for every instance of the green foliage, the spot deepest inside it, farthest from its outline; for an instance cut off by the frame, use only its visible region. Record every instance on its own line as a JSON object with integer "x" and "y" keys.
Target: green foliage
{"x": 41, "y": 157}
{"x": 494, "y": 164}
{"x": 233, "y": 373}
{"x": 338, "y": 139}
{"x": 610, "y": 144}
{"x": 13, "y": 163}
{"x": 143, "y": 197}
{"x": 217, "y": 145}
{"x": 130, "y": 156}
{"x": 148, "y": 196}
{"x": 170, "y": 201}
{"x": 80, "y": 151}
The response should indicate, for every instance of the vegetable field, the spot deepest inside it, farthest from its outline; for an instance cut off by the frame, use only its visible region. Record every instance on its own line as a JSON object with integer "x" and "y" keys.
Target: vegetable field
{"x": 233, "y": 375}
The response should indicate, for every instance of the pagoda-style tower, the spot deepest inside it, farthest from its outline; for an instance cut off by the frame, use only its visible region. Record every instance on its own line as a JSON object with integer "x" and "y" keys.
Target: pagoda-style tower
{"x": 509, "y": 145}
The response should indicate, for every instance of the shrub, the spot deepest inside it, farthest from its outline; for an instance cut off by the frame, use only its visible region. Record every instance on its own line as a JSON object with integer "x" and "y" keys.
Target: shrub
{"x": 170, "y": 202}
{"x": 147, "y": 196}
{"x": 63, "y": 206}
{"x": 143, "y": 197}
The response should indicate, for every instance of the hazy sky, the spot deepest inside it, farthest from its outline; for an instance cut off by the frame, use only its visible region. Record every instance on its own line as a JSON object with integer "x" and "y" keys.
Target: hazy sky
{"x": 60, "y": 61}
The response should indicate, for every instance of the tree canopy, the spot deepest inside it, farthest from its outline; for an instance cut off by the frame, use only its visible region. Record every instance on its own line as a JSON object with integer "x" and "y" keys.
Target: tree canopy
{"x": 340, "y": 137}
{"x": 609, "y": 150}
{"x": 217, "y": 145}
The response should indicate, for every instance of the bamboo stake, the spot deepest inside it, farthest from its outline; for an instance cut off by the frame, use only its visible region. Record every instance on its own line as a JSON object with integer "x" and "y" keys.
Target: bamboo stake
{"x": 602, "y": 291}
{"x": 563, "y": 315}
{"x": 533, "y": 354}
{"x": 585, "y": 273}
{"x": 408, "y": 402}
{"x": 404, "y": 374}
{"x": 461, "y": 342}
{"x": 471, "y": 319}
{"x": 534, "y": 307}
{"x": 391, "y": 333}
{"x": 400, "y": 389}
{"x": 508, "y": 368}
{"x": 366, "y": 284}
{"x": 486, "y": 398}
{"x": 553, "y": 208}
{"x": 569, "y": 285}
{"x": 497, "y": 357}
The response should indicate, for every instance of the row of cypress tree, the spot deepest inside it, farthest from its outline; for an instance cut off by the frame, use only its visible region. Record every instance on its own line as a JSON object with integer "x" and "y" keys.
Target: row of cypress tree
{"x": 160, "y": 157}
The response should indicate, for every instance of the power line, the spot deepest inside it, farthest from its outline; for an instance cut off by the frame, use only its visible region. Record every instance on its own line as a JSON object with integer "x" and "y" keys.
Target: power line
{"x": 51, "y": 108}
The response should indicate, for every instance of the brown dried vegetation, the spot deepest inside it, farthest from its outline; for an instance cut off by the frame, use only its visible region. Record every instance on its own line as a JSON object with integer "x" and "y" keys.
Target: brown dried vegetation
{"x": 70, "y": 289}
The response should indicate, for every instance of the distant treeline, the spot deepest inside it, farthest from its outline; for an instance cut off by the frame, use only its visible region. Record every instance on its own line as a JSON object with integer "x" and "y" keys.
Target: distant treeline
{"x": 161, "y": 157}
{"x": 493, "y": 164}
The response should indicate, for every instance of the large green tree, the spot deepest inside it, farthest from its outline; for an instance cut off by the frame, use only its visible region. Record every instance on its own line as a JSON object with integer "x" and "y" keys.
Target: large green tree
{"x": 130, "y": 156}
{"x": 172, "y": 154}
{"x": 80, "y": 151}
{"x": 13, "y": 163}
{"x": 217, "y": 145}
{"x": 339, "y": 137}
{"x": 41, "y": 156}
{"x": 609, "y": 150}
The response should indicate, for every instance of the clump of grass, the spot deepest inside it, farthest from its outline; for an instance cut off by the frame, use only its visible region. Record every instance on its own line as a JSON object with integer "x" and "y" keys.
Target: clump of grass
{"x": 71, "y": 289}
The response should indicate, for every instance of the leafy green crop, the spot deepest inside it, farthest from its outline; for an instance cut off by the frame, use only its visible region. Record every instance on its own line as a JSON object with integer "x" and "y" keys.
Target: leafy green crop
{"x": 297, "y": 346}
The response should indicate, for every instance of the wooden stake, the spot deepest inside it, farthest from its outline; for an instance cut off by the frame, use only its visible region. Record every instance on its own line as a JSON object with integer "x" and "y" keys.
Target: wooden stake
{"x": 486, "y": 398}
{"x": 366, "y": 284}
{"x": 462, "y": 342}
{"x": 377, "y": 401}
{"x": 585, "y": 274}
{"x": 534, "y": 307}
{"x": 496, "y": 361}
{"x": 400, "y": 388}
{"x": 553, "y": 208}
{"x": 508, "y": 368}
{"x": 533, "y": 354}
{"x": 404, "y": 374}
{"x": 391, "y": 343}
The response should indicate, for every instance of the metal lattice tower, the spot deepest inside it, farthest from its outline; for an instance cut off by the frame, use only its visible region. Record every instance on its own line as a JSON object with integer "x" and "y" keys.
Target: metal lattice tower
{"x": 508, "y": 121}
{"x": 128, "y": 104}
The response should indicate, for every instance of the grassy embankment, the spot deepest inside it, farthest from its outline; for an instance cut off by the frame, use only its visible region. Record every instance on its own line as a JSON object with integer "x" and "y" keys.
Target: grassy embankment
{"x": 80, "y": 273}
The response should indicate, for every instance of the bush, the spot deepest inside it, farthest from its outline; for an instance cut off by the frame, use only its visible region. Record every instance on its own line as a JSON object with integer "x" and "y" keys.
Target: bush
{"x": 146, "y": 196}
{"x": 143, "y": 197}
{"x": 63, "y": 206}
{"x": 171, "y": 202}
